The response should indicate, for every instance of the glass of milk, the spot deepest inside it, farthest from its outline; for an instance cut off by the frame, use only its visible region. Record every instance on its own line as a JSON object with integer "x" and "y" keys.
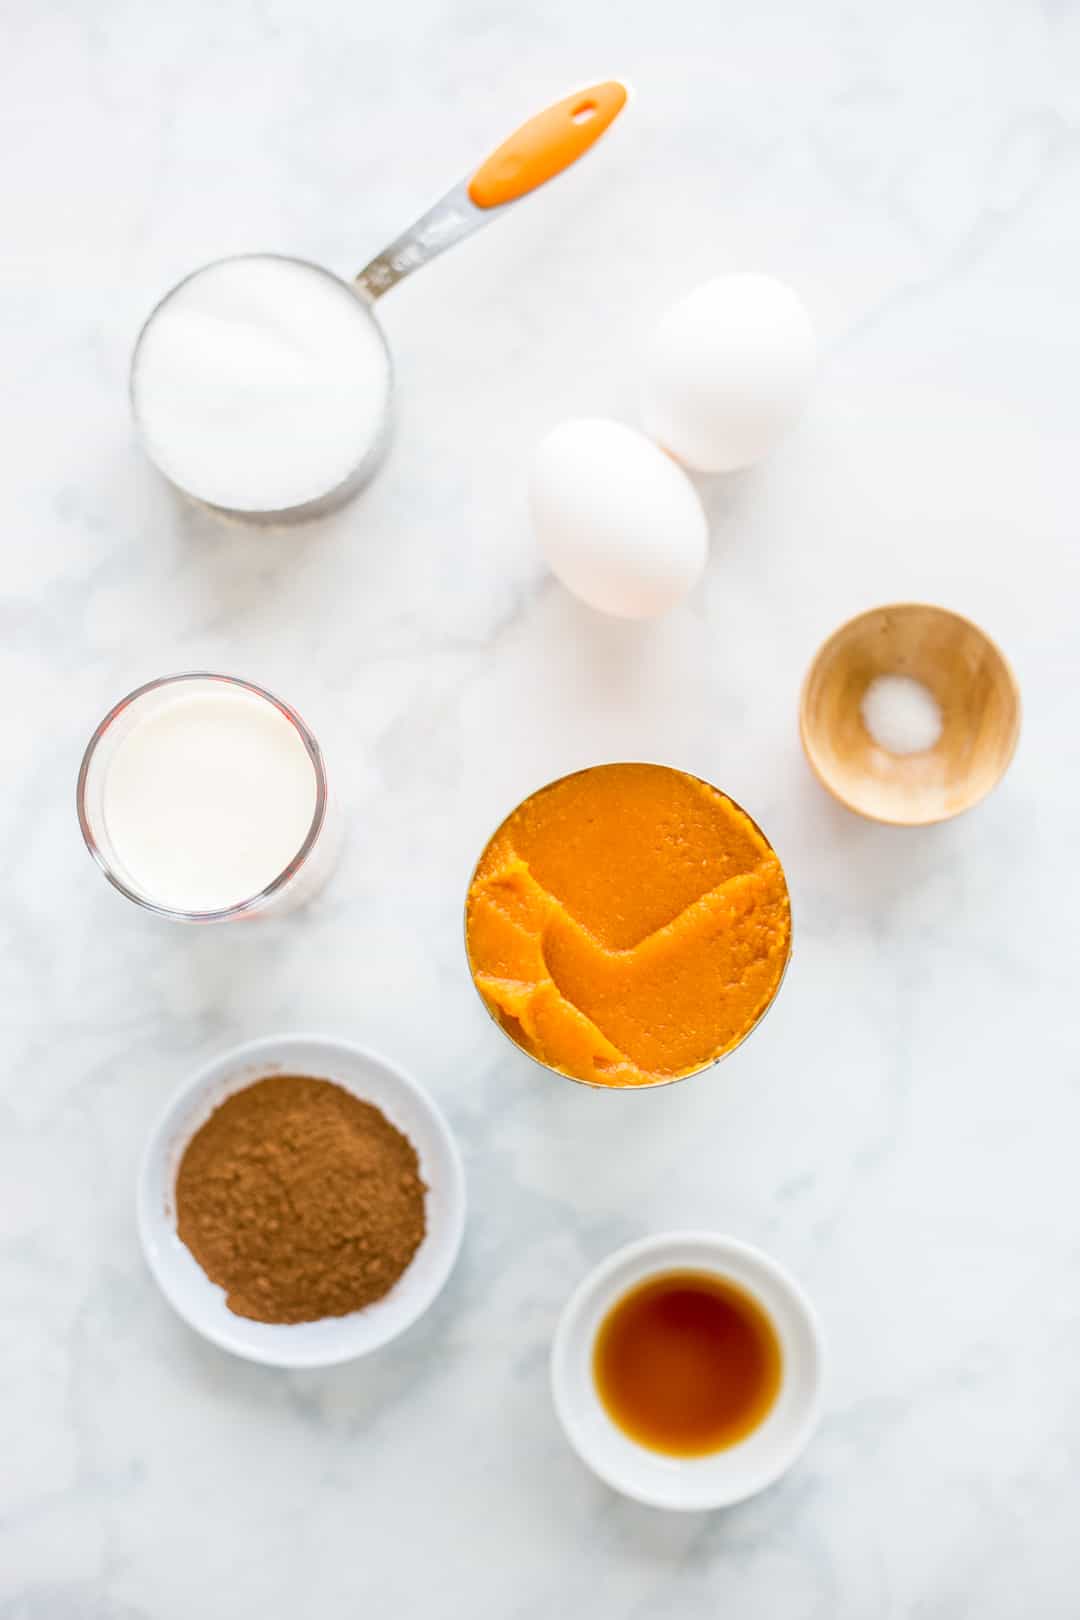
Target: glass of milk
{"x": 205, "y": 799}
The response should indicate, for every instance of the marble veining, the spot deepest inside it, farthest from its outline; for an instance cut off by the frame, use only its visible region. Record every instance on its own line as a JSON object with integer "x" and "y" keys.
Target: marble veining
{"x": 900, "y": 1132}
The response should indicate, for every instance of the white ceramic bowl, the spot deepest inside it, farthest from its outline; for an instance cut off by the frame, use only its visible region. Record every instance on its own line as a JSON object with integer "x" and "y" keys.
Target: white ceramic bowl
{"x": 722, "y": 1477}
{"x": 336, "y": 1338}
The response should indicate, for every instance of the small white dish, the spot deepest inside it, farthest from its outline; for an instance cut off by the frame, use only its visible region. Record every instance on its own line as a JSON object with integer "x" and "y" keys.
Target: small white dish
{"x": 688, "y": 1483}
{"x": 201, "y": 1303}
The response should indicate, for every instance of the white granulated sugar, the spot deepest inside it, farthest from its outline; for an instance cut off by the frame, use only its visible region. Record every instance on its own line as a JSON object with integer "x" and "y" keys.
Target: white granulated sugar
{"x": 901, "y": 714}
{"x": 260, "y": 384}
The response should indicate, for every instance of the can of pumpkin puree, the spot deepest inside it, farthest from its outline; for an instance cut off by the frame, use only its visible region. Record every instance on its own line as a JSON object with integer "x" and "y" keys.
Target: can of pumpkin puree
{"x": 628, "y": 926}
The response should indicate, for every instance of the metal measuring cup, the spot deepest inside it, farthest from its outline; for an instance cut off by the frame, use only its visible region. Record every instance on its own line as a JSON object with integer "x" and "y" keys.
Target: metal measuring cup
{"x": 538, "y": 151}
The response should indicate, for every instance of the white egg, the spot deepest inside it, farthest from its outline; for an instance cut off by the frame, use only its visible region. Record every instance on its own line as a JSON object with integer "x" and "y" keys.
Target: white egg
{"x": 621, "y": 525}
{"x": 727, "y": 371}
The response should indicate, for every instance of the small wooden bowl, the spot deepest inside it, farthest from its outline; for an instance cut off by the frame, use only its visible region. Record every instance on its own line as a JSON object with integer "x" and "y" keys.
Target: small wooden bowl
{"x": 974, "y": 687}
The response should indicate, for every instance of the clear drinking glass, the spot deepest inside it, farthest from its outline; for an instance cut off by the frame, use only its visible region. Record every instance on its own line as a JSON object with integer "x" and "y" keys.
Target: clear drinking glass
{"x": 304, "y": 873}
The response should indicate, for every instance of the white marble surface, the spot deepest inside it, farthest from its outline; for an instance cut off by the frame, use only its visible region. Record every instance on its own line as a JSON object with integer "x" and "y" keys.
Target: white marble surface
{"x": 902, "y": 1131}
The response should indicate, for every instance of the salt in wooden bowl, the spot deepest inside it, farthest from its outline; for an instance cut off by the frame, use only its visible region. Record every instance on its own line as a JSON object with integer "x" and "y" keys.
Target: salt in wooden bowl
{"x": 975, "y": 690}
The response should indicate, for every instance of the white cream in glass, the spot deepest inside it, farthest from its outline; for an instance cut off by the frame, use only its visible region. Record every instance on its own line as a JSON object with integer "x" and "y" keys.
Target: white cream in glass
{"x": 205, "y": 799}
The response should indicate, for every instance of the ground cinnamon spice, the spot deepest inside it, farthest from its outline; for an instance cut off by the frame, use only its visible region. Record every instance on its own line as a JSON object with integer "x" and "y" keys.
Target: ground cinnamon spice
{"x": 300, "y": 1200}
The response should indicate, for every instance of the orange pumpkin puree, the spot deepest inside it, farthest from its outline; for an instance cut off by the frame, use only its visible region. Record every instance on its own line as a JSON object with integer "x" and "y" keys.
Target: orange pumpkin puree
{"x": 628, "y": 925}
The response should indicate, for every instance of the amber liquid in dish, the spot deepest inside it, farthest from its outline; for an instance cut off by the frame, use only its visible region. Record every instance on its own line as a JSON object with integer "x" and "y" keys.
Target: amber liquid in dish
{"x": 687, "y": 1363}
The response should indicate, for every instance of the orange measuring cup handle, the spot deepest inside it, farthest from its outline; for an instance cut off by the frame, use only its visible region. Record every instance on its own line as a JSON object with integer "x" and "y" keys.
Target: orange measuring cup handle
{"x": 547, "y": 145}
